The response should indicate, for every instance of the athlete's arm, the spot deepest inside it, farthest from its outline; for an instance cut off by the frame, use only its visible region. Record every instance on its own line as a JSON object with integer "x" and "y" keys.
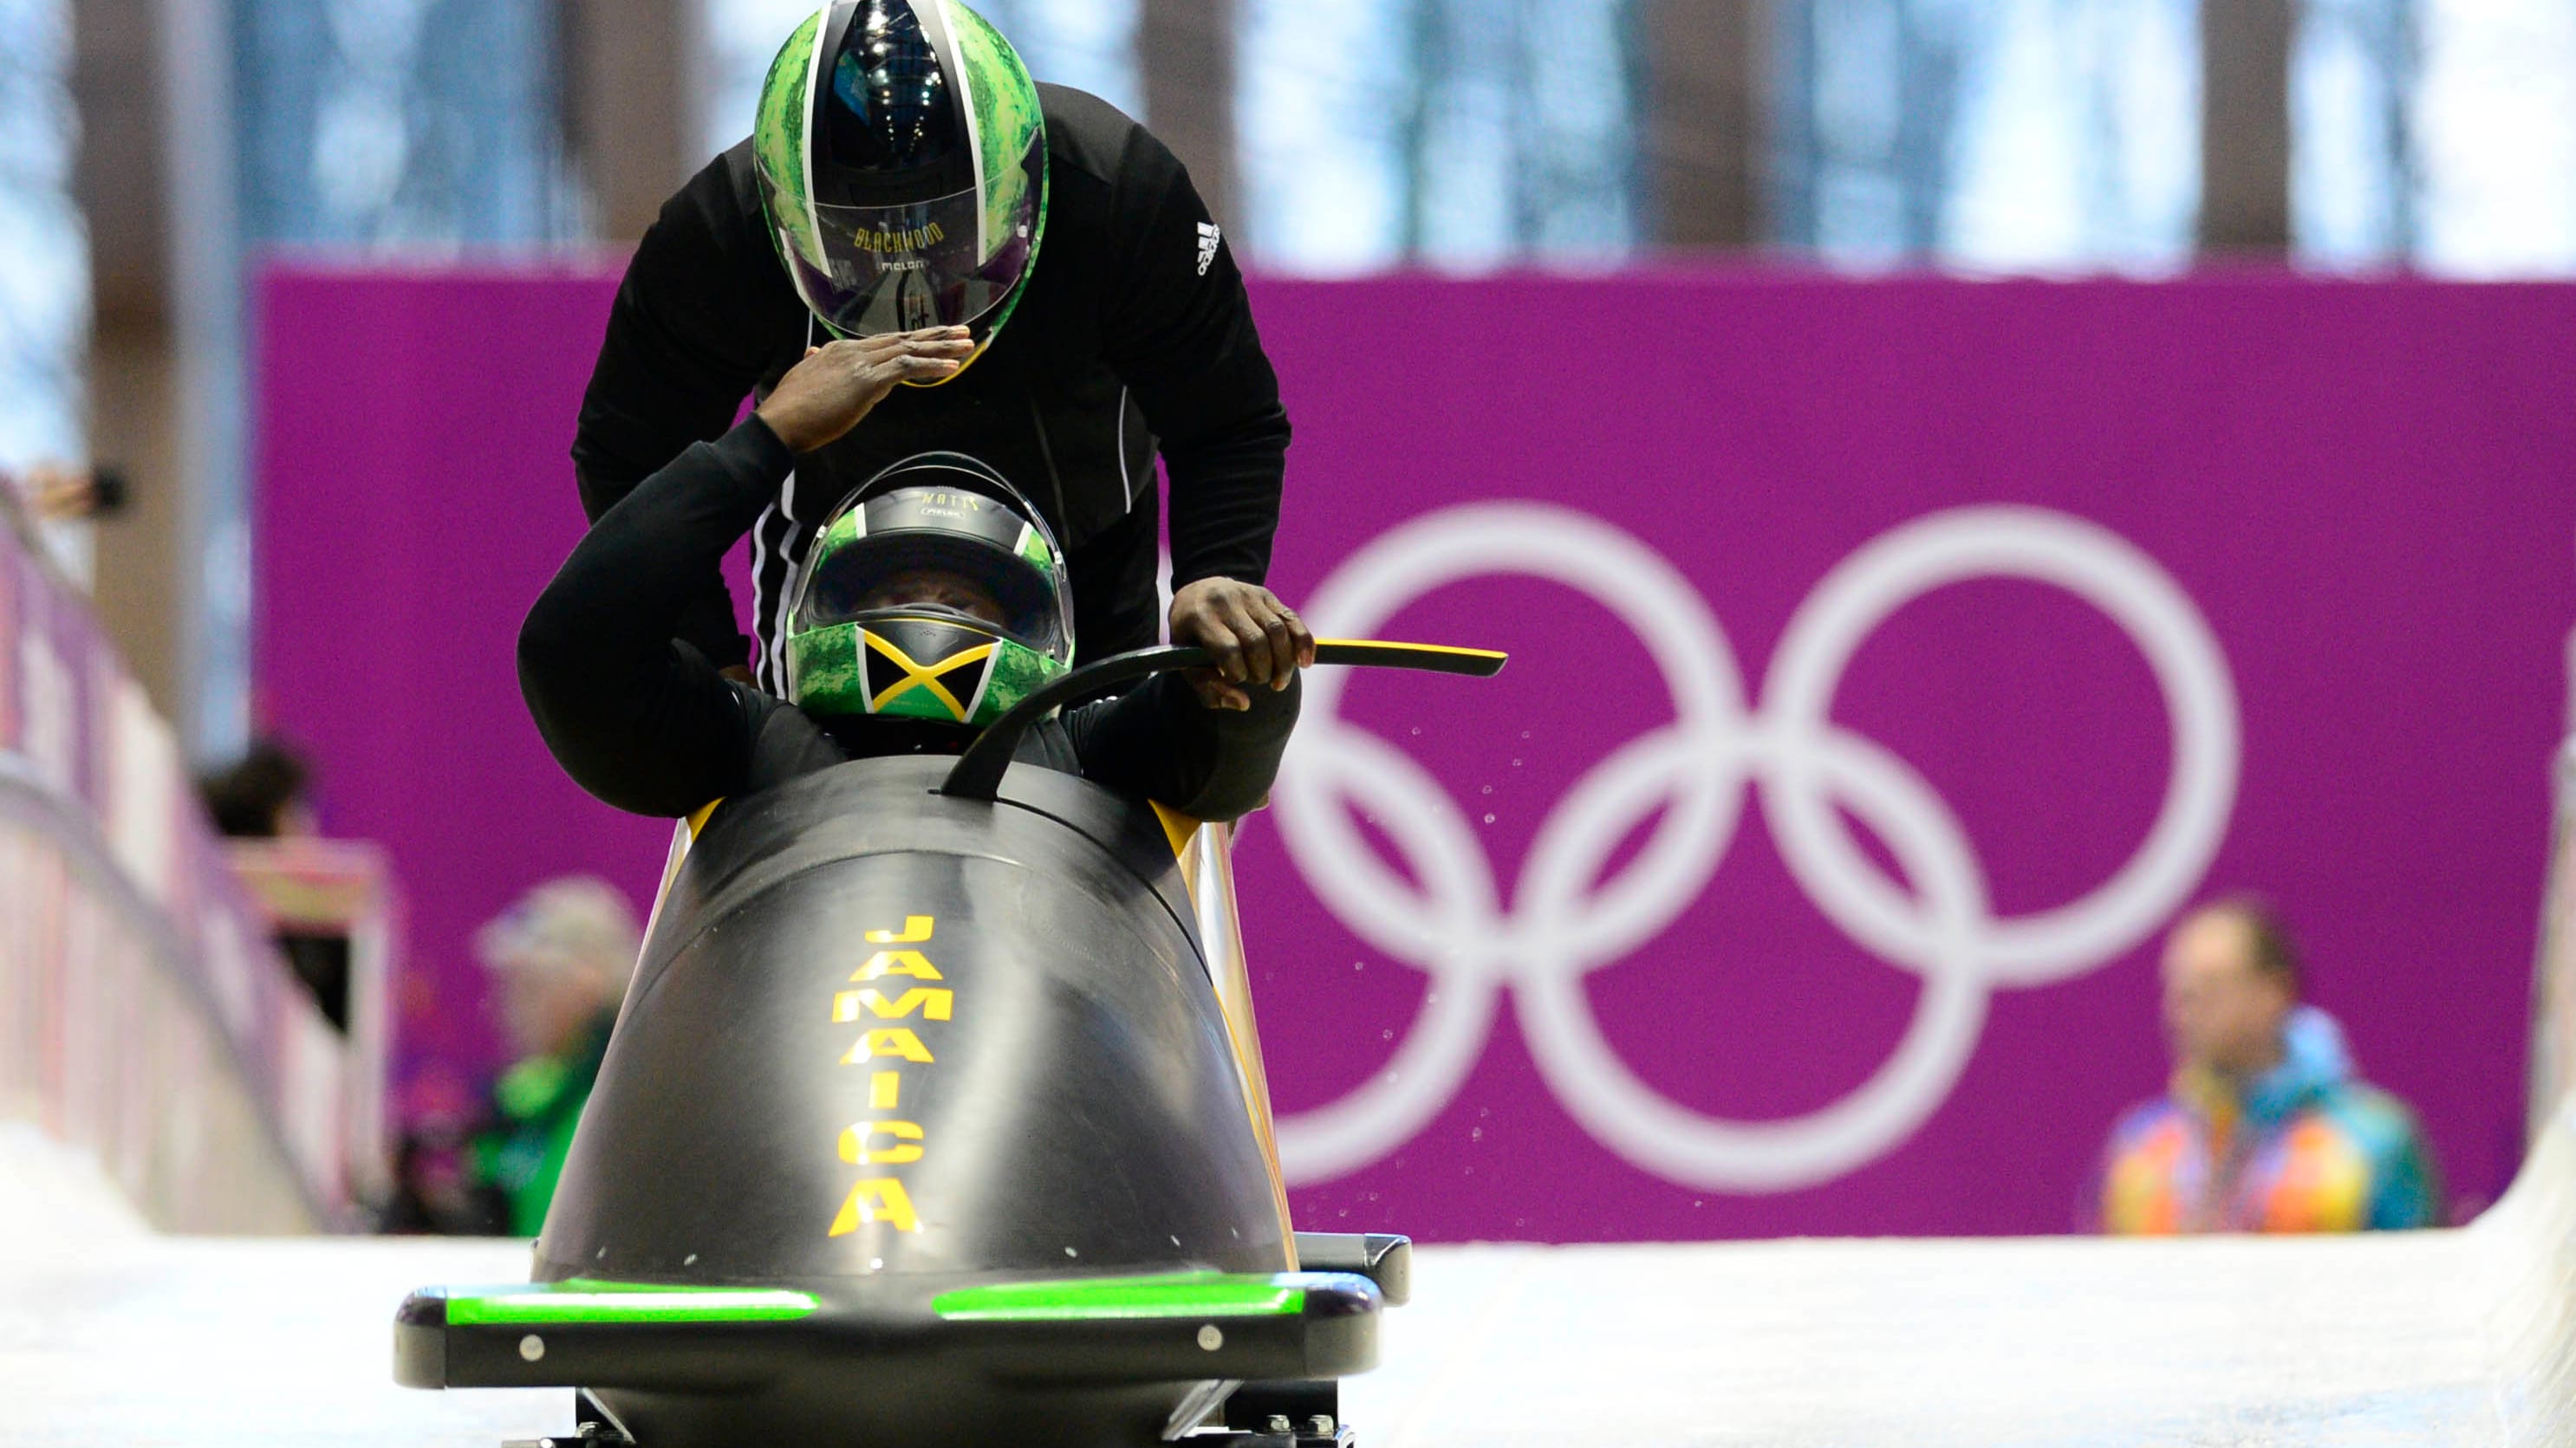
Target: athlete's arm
{"x": 1158, "y": 741}
{"x": 1177, "y": 327}
{"x": 638, "y": 717}
{"x": 642, "y": 719}
{"x": 703, "y": 311}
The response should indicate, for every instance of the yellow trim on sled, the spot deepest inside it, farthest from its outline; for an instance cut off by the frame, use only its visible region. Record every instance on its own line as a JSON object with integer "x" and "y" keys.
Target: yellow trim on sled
{"x": 698, "y": 822}
{"x": 1433, "y": 658}
{"x": 1178, "y": 828}
{"x": 1412, "y": 648}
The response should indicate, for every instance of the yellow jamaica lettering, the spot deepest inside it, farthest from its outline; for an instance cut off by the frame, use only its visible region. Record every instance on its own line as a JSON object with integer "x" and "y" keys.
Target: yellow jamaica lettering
{"x": 885, "y": 1088}
{"x": 933, "y": 1004}
{"x": 897, "y": 962}
{"x": 856, "y": 1151}
{"x": 878, "y": 1199}
{"x": 893, "y": 1041}
{"x": 916, "y": 928}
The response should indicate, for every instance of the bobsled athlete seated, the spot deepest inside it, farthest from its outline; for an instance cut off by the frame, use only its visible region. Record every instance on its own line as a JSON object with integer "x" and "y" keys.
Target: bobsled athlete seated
{"x": 932, "y": 600}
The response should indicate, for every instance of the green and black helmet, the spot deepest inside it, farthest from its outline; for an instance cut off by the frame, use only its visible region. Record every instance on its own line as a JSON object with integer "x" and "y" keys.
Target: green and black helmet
{"x": 935, "y": 592}
{"x": 902, "y": 164}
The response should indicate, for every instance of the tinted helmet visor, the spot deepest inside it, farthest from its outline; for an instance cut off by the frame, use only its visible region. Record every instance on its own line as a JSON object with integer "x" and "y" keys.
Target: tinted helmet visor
{"x": 934, "y": 575}
{"x": 907, "y": 266}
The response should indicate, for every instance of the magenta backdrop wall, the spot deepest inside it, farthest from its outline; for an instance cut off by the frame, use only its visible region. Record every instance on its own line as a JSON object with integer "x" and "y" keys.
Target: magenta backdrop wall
{"x": 1891, "y": 660}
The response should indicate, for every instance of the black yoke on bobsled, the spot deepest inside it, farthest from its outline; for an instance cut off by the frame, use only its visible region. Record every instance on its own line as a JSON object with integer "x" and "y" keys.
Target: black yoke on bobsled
{"x": 1002, "y": 1010}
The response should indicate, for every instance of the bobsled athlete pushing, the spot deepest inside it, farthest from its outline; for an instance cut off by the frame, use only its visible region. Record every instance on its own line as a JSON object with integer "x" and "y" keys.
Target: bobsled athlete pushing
{"x": 935, "y": 1114}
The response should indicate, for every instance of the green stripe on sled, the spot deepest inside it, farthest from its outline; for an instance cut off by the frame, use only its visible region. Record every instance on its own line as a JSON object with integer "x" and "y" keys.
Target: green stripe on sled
{"x": 1193, "y": 1295}
{"x": 584, "y": 1300}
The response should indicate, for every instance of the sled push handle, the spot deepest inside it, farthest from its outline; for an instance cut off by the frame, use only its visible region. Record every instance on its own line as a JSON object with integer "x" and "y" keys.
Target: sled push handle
{"x": 978, "y": 774}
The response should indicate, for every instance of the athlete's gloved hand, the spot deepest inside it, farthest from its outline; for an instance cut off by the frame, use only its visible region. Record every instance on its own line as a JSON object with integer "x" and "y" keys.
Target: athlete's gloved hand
{"x": 1256, "y": 638}
{"x": 825, "y": 395}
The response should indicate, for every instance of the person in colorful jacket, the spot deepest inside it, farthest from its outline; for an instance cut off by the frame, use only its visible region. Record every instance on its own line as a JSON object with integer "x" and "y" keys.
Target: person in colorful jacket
{"x": 560, "y": 958}
{"x": 2266, "y": 1126}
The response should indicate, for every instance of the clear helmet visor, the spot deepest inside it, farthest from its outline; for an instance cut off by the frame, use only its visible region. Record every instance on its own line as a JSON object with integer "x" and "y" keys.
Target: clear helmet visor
{"x": 948, "y": 262}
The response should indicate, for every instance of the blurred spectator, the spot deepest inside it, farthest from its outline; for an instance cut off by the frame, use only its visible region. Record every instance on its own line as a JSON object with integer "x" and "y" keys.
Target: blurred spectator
{"x": 57, "y": 494}
{"x": 437, "y": 1190}
{"x": 265, "y": 795}
{"x": 63, "y": 502}
{"x": 561, "y": 957}
{"x": 436, "y": 1186}
{"x": 262, "y": 796}
{"x": 2266, "y": 1127}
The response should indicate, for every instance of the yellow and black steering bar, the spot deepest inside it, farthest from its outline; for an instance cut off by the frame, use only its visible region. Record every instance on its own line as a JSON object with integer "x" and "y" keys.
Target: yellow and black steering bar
{"x": 978, "y": 773}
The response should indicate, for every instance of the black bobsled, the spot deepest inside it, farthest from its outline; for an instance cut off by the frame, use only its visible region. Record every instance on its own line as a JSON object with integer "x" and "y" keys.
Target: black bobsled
{"x": 935, "y": 1116}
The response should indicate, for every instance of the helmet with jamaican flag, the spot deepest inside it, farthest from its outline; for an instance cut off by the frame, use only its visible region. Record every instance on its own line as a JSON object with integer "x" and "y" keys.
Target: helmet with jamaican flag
{"x": 935, "y": 592}
{"x": 902, "y": 165}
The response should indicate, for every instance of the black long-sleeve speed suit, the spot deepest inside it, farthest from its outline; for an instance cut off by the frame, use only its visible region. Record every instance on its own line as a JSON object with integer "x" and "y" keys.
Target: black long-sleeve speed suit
{"x": 1132, "y": 333}
{"x": 644, "y": 722}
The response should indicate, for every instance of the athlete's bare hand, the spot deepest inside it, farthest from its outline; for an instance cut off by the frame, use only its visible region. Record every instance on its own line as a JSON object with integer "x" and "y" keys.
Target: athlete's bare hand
{"x": 825, "y": 395}
{"x": 1256, "y": 638}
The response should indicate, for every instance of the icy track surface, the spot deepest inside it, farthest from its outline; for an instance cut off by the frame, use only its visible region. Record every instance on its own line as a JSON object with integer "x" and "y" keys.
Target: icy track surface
{"x": 111, "y": 1337}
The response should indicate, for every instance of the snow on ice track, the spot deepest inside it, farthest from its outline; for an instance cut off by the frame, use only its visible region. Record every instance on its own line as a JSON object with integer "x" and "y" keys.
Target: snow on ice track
{"x": 112, "y": 1336}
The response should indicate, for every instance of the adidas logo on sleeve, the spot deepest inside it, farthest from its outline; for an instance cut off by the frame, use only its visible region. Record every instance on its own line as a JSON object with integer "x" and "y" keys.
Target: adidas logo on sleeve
{"x": 1208, "y": 238}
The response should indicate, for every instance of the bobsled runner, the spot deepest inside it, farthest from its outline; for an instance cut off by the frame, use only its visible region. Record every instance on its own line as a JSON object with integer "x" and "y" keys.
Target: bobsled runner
{"x": 935, "y": 1116}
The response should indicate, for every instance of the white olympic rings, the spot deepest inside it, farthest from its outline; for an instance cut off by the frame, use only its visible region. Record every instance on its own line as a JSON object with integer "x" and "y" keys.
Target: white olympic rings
{"x": 1560, "y": 925}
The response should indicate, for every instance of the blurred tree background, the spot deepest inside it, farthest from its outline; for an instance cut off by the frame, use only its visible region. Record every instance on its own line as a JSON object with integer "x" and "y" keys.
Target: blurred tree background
{"x": 151, "y": 151}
